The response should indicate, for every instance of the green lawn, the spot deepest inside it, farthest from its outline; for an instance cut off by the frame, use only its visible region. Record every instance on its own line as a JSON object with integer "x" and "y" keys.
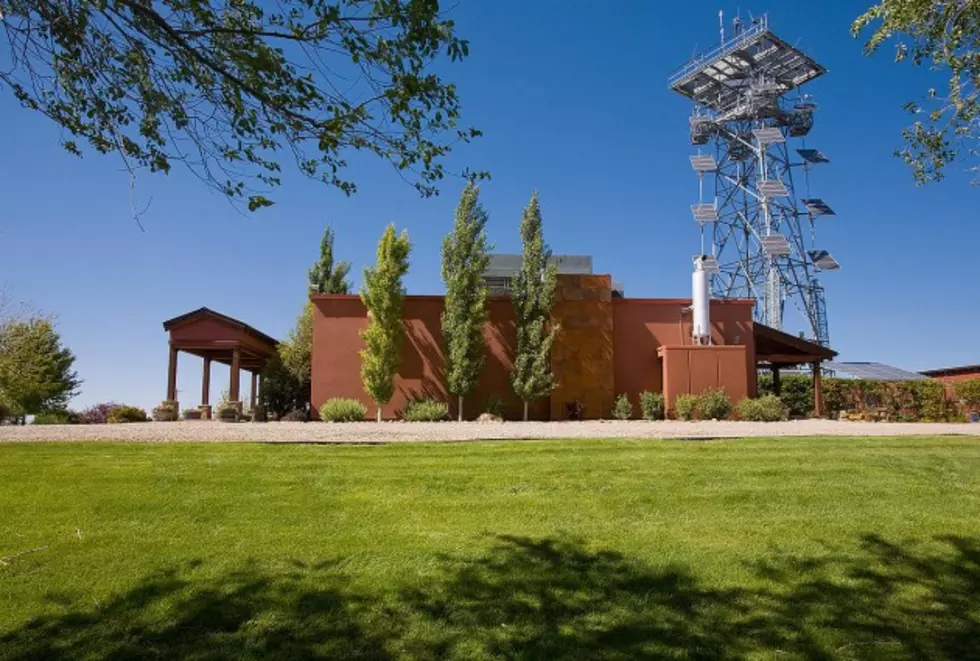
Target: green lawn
{"x": 782, "y": 549}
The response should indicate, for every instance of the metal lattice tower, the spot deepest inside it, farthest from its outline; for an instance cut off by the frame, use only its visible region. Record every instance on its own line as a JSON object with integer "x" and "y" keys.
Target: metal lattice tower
{"x": 763, "y": 237}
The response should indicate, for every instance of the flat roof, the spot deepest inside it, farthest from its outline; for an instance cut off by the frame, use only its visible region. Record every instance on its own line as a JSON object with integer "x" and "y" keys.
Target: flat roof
{"x": 952, "y": 371}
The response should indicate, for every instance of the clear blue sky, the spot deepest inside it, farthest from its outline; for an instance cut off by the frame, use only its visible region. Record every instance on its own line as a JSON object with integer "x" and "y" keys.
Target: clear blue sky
{"x": 572, "y": 98}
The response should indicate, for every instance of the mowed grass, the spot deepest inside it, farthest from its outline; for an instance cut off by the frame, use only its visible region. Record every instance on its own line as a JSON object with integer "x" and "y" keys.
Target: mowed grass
{"x": 781, "y": 549}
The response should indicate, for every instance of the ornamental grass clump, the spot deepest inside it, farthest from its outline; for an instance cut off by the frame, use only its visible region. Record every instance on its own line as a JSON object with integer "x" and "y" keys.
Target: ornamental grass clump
{"x": 425, "y": 410}
{"x": 342, "y": 409}
{"x": 126, "y": 414}
{"x": 768, "y": 408}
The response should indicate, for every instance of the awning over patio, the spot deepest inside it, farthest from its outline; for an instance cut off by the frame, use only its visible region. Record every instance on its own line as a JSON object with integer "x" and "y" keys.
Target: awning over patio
{"x": 217, "y": 337}
{"x": 775, "y": 349}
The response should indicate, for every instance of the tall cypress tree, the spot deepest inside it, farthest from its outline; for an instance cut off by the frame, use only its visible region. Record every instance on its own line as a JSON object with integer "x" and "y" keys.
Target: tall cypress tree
{"x": 465, "y": 256}
{"x": 384, "y": 298}
{"x": 533, "y": 295}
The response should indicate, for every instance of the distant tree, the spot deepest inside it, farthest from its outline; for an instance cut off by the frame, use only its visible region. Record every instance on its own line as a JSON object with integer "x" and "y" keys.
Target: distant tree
{"x": 327, "y": 276}
{"x": 465, "y": 257}
{"x": 533, "y": 295}
{"x": 281, "y": 390}
{"x": 384, "y": 297}
{"x": 35, "y": 369}
{"x": 296, "y": 351}
{"x": 225, "y": 88}
{"x": 945, "y": 36}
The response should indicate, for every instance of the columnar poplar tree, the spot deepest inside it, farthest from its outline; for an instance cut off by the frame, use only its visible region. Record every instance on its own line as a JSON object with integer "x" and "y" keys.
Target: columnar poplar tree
{"x": 465, "y": 256}
{"x": 384, "y": 298}
{"x": 532, "y": 295}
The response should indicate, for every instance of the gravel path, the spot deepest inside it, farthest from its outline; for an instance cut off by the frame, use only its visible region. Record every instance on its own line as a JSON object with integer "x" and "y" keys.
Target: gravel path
{"x": 388, "y": 432}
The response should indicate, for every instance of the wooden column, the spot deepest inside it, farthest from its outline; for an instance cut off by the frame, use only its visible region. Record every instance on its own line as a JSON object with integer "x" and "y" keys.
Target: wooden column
{"x": 255, "y": 387}
{"x": 236, "y": 366}
{"x": 172, "y": 375}
{"x": 206, "y": 383}
{"x": 817, "y": 391}
{"x": 777, "y": 384}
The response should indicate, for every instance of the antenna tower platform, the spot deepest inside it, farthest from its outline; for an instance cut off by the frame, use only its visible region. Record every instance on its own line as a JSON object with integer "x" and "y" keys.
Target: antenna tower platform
{"x": 747, "y": 111}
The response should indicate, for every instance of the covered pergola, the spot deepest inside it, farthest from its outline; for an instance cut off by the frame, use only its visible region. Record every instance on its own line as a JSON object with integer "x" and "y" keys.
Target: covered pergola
{"x": 216, "y": 337}
{"x": 775, "y": 349}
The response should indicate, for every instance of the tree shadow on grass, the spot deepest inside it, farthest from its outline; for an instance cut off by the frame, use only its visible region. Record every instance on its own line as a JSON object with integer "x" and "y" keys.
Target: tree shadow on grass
{"x": 543, "y": 599}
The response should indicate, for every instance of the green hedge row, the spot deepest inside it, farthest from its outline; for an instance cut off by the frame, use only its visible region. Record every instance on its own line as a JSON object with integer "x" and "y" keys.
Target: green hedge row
{"x": 905, "y": 401}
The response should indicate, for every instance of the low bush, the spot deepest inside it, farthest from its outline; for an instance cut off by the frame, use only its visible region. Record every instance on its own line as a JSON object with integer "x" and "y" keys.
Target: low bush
{"x": 494, "y": 406}
{"x": 192, "y": 414}
{"x": 342, "y": 409}
{"x": 296, "y": 415}
{"x": 968, "y": 392}
{"x": 97, "y": 414}
{"x": 652, "y": 405}
{"x": 56, "y": 418}
{"x": 425, "y": 410}
{"x": 623, "y": 408}
{"x": 767, "y": 408}
{"x": 714, "y": 404}
{"x": 686, "y": 406}
{"x": 124, "y": 414}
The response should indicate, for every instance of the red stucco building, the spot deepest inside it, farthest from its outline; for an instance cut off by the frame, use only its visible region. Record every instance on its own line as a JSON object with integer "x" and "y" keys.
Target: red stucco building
{"x": 607, "y": 346}
{"x": 954, "y": 374}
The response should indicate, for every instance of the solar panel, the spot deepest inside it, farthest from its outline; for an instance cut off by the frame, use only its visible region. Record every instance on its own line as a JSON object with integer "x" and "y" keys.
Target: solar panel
{"x": 704, "y": 163}
{"x": 824, "y": 261}
{"x": 873, "y": 371}
{"x": 775, "y": 245}
{"x": 818, "y": 207}
{"x": 812, "y": 156}
{"x": 704, "y": 213}
{"x": 708, "y": 263}
{"x": 773, "y": 188}
{"x": 768, "y": 135}
{"x": 717, "y": 79}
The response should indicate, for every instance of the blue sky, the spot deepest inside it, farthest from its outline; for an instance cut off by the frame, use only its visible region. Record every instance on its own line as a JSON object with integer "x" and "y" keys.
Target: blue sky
{"x": 572, "y": 98}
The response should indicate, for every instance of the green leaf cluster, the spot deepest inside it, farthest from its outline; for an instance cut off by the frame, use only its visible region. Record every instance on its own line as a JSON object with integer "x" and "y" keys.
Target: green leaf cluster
{"x": 944, "y": 36}
{"x": 226, "y": 88}
{"x": 383, "y": 296}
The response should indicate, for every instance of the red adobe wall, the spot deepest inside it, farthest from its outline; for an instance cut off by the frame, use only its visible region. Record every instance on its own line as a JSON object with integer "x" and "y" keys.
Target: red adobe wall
{"x": 960, "y": 376}
{"x": 642, "y": 326}
{"x": 336, "y": 363}
{"x": 596, "y": 362}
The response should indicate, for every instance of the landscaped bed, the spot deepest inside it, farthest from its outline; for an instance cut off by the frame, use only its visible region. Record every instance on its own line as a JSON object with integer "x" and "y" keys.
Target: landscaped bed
{"x": 764, "y": 548}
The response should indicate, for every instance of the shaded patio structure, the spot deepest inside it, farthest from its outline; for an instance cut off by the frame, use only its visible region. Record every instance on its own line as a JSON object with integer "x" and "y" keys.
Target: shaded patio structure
{"x": 775, "y": 349}
{"x": 215, "y": 337}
